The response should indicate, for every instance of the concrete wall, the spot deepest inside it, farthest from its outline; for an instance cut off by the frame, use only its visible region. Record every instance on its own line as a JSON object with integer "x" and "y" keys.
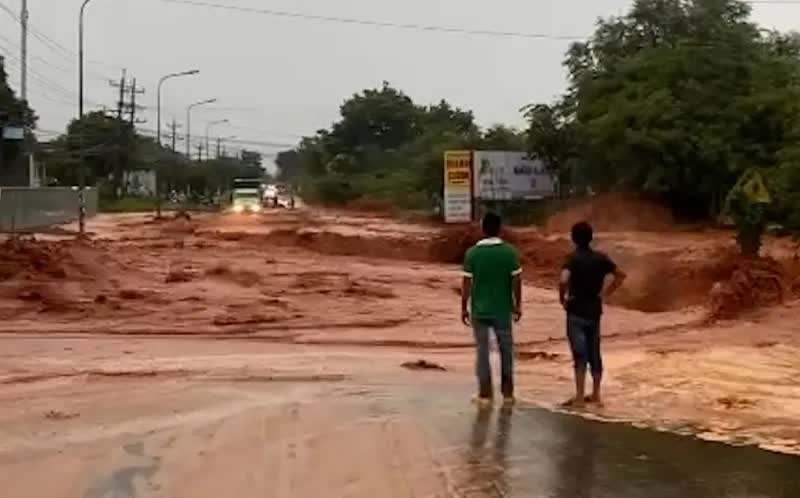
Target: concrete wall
{"x": 23, "y": 208}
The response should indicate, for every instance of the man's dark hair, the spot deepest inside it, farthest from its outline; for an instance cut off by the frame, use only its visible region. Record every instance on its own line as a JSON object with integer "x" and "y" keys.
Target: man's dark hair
{"x": 582, "y": 234}
{"x": 491, "y": 224}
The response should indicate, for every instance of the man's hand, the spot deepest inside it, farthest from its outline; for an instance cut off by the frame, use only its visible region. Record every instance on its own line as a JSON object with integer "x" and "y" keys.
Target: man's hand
{"x": 563, "y": 288}
{"x": 465, "y": 318}
{"x": 517, "y": 314}
{"x": 619, "y": 278}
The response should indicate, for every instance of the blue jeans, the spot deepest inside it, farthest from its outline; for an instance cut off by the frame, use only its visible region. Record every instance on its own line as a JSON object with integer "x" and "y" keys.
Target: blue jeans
{"x": 584, "y": 342}
{"x": 505, "y": 343}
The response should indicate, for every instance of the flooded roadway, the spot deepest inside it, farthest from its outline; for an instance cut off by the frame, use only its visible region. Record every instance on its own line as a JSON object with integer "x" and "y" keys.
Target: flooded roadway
{"x": 336, "y": 439}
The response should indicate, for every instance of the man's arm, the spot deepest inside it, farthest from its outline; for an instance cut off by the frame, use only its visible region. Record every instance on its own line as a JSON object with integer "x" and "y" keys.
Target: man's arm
{"x": 466, "y": 294}
{"x": 619, "y": 278}
{"x": 563, "y": 287}
{"x": 517, "y": 288}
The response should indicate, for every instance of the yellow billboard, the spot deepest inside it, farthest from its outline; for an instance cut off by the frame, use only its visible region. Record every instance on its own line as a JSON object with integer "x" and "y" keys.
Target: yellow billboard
{"x": 458, "y": 168}
{"x": 458, "y": 186}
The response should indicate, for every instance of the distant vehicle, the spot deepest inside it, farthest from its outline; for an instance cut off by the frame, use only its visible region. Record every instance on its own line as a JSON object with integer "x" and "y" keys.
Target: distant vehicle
{"x": 246, "y": 195}
{"x": 271, "y": 195}
{"x": 285, "y": 197}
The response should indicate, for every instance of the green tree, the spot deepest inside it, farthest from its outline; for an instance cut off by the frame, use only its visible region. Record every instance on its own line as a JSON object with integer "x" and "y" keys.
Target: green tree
{"x": 13, "y": 112}
{"x": 500, "y": 137}
{"x": 384, "y": 147}
{"x": 104, "y": 146}
{"x": 678, "y": 98}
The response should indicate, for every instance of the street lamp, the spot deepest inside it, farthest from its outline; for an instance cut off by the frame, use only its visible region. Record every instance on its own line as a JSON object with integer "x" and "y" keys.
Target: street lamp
{"x": 158, "y": 104}
{"x": 80, "y": 58}
{"x": 189, "y": 124}
{"x": 81, "y": 173}
{"x": 208, "y": 128}
{"x": 158, "y": 128}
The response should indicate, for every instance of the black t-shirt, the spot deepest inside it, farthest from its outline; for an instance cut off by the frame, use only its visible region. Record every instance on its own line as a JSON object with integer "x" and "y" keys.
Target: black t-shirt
{"x": 588, "y": 270}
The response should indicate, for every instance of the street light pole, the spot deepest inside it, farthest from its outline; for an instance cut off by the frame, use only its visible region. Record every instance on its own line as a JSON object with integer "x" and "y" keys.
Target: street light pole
{"x": 81, "y": 172}
{"x": 208, "y": 128}
{"x": 80, "y": 58}
{"x": 189, "y": 124}
{"x": 158, "y": 104}
{"x": 158, "y": 127}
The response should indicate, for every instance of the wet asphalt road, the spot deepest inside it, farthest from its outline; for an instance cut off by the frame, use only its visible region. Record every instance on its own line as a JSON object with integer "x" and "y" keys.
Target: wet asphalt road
{"x": 287, "y": 440}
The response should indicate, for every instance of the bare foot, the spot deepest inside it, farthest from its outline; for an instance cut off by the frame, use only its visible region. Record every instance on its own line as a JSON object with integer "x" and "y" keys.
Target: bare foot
{"x": 482, "y": 402}
{"x": 573, "y": 403}
{"x": 595, "y": 400}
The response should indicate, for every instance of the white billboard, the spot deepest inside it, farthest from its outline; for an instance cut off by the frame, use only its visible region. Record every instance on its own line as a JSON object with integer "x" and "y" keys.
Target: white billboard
{"x": 503, "y": 175}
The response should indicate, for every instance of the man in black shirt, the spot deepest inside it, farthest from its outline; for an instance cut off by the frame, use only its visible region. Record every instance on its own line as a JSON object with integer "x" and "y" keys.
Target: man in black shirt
{"x": 581, "y": 293}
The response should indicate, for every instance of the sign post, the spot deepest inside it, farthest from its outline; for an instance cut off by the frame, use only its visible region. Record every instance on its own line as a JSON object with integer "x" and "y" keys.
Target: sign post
{"x": 457, "y": 186}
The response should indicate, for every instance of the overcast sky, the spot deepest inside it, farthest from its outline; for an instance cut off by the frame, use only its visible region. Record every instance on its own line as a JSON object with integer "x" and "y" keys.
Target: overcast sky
{"x": 277, "y": 78}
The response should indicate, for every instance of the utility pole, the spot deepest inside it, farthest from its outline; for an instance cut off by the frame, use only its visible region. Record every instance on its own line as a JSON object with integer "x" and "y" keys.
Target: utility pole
{"x": 219, "y": 147}
{"x": 122, "y": 85}
{"x": 200, "y": 152}
{"x": 23, "y": 87}
{"x": 173, "y": 134}
{"x": 133, "y": 107}
{"x": 81, "y": 172}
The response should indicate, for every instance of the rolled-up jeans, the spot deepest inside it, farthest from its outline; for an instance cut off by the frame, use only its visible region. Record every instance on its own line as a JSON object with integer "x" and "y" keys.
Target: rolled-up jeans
{"x": 505, "y": 343}
{"x": 584, "y": 342}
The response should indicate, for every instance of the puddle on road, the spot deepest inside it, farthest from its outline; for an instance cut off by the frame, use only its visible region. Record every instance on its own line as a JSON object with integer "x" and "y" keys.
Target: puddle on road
{"x": 529, "y": 452}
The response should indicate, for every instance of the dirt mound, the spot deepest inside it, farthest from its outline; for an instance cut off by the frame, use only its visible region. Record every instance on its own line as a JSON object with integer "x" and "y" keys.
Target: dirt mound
{"x": 614, "y": 212}
{"x": 28, "y": 256}
{"x": 754, "y": 283}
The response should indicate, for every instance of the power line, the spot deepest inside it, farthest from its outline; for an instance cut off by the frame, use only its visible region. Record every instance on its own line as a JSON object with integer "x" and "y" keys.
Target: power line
{"x": 53, "y": 45}
{"x": 368, "y": 22}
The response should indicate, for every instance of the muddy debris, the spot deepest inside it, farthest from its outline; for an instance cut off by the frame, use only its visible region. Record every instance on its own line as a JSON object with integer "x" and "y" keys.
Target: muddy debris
{"x": 735, "y": 403}
{"x": 537, "y": 355}
{"x": 58, "y": 415}
{"x": 178, "y": 276}
{"x": 755, "y": 283}
{"x": 245, "y": 278}
{"x": 32, "y": 258}
{"x": 359, "y": 289}
{"x": 132, "y": 294}
{"x": 228, "y": 320}
{"x": 423, "y": 365}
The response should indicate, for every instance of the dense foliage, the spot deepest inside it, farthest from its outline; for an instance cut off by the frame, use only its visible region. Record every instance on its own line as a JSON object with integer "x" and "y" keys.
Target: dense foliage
{"x": 676, "y": 99}
{"x": 107, "y": 147}
{"x": 387, "y": 148}
{"x": 13, "y": 112}
{"x": 680, "y": 98}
